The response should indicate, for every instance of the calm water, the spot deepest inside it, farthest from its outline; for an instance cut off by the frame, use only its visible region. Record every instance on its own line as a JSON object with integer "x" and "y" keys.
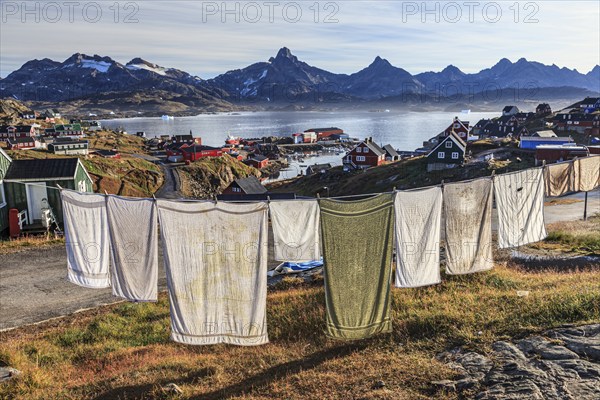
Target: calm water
{"x": 403, "y": 130}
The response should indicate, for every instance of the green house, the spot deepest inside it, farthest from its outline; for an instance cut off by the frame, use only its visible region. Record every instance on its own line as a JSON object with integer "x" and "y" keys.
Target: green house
{"x": 27, "y": 183}
{"x": 449, "y": 153}
{"x": 5, "y": 161}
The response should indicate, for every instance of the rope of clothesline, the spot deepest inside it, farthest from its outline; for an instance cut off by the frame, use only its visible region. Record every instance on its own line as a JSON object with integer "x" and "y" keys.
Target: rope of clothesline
{"x": 544, "y": 166}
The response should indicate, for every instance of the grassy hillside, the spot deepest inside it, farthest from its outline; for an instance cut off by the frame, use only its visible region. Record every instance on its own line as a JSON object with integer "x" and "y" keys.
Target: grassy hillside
{"x": 128, "y": 176}
{"x": 104, "y": 140}
{"x": 124, "y": 351}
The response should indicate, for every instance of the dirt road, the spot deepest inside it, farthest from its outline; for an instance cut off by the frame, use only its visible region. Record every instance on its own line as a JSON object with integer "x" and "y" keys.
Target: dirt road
{"x": 33, "y": 285}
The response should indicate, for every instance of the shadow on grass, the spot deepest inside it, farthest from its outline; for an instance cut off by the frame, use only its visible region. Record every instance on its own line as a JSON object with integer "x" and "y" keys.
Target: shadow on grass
{"x": 249, "y": 384}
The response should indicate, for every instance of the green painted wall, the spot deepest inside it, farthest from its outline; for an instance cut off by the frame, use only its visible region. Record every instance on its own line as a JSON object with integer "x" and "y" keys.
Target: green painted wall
{"x": 4, "y": 164}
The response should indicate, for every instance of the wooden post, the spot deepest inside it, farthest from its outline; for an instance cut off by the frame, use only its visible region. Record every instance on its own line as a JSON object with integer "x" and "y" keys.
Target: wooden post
{"x": 585, "y": 206}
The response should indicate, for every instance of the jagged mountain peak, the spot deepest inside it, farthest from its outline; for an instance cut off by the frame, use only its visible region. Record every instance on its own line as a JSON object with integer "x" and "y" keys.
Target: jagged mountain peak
{"x": 380, "y": 62}
{"x": 451, "y": 69}
{"x": 284, "y": 56}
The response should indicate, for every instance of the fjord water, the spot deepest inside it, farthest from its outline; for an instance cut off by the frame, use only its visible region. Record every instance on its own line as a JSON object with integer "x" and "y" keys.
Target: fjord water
{"x": 403, "y": 130}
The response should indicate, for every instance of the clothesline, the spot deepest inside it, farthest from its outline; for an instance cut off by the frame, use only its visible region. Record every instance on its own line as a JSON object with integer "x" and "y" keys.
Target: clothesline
{"x": 492, "y": 176}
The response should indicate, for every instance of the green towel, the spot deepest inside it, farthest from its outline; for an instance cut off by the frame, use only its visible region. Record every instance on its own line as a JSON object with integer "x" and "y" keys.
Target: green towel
{"x": 357, "y": 250}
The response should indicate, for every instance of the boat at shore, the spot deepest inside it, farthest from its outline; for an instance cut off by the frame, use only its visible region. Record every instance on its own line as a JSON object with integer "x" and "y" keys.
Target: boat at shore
{"x": 233, "y": 140}
{"x": 167, "y": 117}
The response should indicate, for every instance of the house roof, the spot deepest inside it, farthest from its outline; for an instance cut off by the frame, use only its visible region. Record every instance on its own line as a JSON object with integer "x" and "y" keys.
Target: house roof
{"x": 508, "y": 108}
{"x": 27, "y": 139}
{"x": 42, "y": 169}
{"x": 18, "y": 128}
{"x": 374, "y": 147}
{"x": 454, "y": 137}
{"x": 320, "y": 166}
{"x": 183, "y": 137}
{"x": 482, "y": 123}
{"x": 258, "y": 157}
{"x": 3, "y": 153}
{"x": 251, "y": 185}
{"x": 106, "y": 153}
{"x": 67, "y": 142}
{"x": 590, "y": 100}
{"x": 197, "y": 148}
{"x": 333, "y": 128}
{"x": 545, "y": 139}
{"x": 545, "y": 134}
{"x": 390, "y": 151}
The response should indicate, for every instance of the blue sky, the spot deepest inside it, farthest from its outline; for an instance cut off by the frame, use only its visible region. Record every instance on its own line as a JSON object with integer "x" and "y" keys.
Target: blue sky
{"x": 200, "y": 37}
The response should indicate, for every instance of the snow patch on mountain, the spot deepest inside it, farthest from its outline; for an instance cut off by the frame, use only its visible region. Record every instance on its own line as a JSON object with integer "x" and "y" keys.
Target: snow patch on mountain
{"x": 158, "y": 70}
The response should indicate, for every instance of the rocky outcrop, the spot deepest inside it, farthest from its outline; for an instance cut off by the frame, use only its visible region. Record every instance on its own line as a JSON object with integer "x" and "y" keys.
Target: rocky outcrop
{"x": 560, "y": 364}
{"x": 207, "y": 178}
{"x": 10, "y": 110}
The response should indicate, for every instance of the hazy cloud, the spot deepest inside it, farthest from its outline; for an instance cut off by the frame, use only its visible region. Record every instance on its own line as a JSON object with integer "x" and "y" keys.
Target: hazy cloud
{"x": 192, "y": 36}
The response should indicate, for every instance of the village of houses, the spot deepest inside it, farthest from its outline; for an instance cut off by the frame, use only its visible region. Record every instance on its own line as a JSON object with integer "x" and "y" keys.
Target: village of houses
{"x": 27, "y": 205}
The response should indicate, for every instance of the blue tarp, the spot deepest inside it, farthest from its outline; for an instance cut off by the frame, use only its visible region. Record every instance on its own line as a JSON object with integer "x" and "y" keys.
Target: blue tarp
{"x": 294, "y": 268}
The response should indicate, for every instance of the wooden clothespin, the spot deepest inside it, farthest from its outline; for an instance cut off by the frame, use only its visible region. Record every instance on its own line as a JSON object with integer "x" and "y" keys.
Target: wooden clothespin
{"x": 394, "y": 189}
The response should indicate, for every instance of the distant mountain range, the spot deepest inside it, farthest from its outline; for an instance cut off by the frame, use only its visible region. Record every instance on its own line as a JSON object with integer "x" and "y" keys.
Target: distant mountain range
{"x": 283, "y": 79}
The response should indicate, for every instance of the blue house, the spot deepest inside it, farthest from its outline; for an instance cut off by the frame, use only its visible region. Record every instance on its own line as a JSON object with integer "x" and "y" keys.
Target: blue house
{"x": 531, "y": 142}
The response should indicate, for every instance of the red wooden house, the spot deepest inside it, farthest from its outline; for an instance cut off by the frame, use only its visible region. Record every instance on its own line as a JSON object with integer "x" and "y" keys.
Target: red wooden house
{"x": 460, "y": 128}
{"x": 21, "y": 143}
{"x": 175, "y": 149}
{"x": 366, "y": 154}
{"x": 257, "y": 161}
{"x": 16, "y": 131}
{"x": 324, "y": 132}
{"x": 196, "y": 152}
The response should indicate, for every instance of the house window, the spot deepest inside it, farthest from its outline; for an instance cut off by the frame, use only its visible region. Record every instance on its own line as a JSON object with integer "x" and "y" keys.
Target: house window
{"x": 236, "y": 190}
{"x": 455, "y": 155}
{"x": 365, "y": 150}
{"x": 359, "y": 149}
{"x": 441, "y": 154}
{"x": 360, "y": 158}
{"x": 448, "y": 144}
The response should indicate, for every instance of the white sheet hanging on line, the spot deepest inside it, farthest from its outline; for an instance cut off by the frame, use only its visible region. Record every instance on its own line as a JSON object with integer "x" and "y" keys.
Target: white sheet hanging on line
{"x": 216, "y": 262}
{"x": 559, "y": 179}
{"x": 520, "y": 203}
{"x": 587, "y": 173}
{"x": 296, "y": 230}
{"x": 468, "y": 226}
{"x": 418, "y": 227}
{"x": 134, "y": 243}
{"x": 86, "y": 238}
